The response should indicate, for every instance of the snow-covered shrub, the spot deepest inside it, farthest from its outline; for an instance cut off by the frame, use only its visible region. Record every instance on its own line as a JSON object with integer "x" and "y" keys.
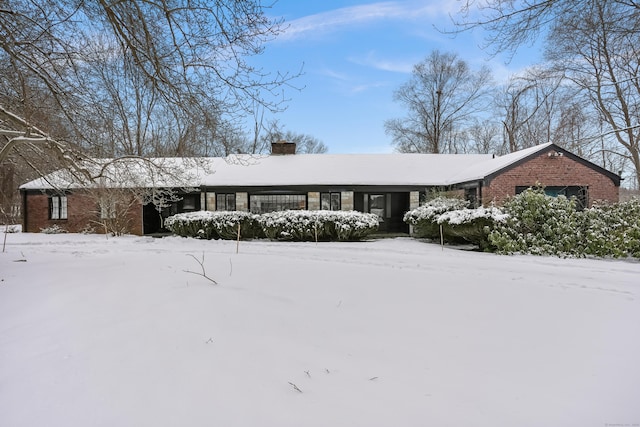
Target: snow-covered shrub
{"x": 213, "y": 225}
{"x": 53, "y": 229}
{"x": 424, "y": 218}
{"x": 88, "y": 229}
{"x": 538, "y": 224}
{"x": 612, "y": 230}
{"x": 303, "y": 225}
{"x": 471, "y": 225}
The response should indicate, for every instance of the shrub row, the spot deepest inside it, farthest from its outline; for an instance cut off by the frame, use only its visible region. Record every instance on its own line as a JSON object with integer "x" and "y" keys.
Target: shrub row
{"x": 539, "y": 224}
{"x": 534, "y": 223}
{"x": 284, "y": 225}
{"x": 214, "y": 225}
{"x": 454, "y": 220}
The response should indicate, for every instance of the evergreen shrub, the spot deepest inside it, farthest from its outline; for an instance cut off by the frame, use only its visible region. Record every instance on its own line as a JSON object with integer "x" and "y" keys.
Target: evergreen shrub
{"x": 424, "y": 219}
{"x": 298, "y": 225}
{"x": 538, "y": 224}
{"x": 213, "y": 225}
{"x": 303, "y": 225}
{"x": 471, "y": 225}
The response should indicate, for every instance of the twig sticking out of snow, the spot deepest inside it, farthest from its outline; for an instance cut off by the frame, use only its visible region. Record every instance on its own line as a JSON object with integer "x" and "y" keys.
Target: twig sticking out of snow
{"x": 204, "y": 273}
{"x": 295, "y": 387}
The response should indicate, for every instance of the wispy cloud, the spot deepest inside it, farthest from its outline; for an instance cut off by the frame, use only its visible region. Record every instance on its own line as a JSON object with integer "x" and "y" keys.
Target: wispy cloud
{"x": 327, "y": 72}
{"x": 362, "y": 14}
{"x": 385, "y": 64}
{"x": 349, "y": 84}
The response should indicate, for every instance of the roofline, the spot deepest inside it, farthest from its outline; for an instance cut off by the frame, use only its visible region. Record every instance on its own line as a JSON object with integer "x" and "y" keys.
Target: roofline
{"x": 553, "y": 147}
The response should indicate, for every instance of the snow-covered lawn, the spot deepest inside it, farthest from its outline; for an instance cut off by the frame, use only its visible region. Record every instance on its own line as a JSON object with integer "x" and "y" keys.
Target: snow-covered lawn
{"x": 396, "y": 332}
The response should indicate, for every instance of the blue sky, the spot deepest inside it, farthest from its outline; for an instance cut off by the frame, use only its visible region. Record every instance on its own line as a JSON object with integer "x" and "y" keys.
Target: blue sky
{"x": 354, "y": 54}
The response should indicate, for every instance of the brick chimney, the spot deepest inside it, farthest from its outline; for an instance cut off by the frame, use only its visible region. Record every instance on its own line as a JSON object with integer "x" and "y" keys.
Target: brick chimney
{"x": 283, "y": 147}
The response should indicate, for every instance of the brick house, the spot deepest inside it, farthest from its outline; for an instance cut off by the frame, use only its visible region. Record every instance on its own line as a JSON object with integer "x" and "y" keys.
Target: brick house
{"x": 386, "y": 184}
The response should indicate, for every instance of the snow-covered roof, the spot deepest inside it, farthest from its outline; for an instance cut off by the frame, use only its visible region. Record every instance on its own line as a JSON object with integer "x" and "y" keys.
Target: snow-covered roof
{"x": 300, "y": 169}
{"x": 487, "y": 167}
{"x": 339, "y": 169}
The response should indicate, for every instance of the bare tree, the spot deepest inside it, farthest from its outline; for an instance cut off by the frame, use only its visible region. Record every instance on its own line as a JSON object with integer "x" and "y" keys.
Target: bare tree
{"x": 483, "y": 138}
{"x": 594, "y": 43}
{"x": 528, "y": 107}
{"x": 442, "y": 96}
{"x": 305, "y": 144}
{"x": 599, "y": 52}
{"x": 190, "y": 54}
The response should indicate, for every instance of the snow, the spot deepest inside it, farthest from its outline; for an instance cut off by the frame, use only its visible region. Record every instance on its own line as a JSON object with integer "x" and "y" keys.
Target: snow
{"x": 391, "y": 332}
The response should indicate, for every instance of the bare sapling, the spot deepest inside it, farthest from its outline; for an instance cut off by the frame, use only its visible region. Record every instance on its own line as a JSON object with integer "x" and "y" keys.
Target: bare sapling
{"x": 204, "y": 272}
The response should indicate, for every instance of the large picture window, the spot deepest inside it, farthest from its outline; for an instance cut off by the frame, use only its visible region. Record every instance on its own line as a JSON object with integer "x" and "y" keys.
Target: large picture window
{"x": 264, "y": 203}
{"x": 57, "y": 207}
{"x": 580, "y": 193}
{"x": 330, "y": 201}
{"x": 225, "y": 201}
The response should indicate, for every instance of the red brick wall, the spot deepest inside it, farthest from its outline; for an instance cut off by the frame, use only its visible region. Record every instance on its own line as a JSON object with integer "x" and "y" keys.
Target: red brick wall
{"x": 82, "y": 213}
{"x": 551, "y": 171}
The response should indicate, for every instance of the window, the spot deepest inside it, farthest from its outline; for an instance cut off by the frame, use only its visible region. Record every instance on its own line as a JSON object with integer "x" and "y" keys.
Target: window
{"x": 58, "y": 207}
{"x": 330, "y": 201}
{"x": 377, "y": 204}
{"x": 264, "y": 203}
{"x": 189, "y": 203}
{"x": 580, "y": 193}
{"x": 226, "y": 202}
{"x": 107, "y": 209}
{"x": 471, "y": 195}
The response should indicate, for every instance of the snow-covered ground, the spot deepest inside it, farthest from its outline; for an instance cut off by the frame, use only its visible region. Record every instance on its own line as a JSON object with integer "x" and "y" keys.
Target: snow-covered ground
{"x": 395, "y": 332}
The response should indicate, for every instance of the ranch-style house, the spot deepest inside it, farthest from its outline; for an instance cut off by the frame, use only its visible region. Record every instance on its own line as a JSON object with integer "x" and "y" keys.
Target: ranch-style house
{"x": 386, "y": 184}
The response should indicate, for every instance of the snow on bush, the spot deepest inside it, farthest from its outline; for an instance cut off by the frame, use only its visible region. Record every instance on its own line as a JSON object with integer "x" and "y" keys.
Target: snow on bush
{"x": 424, "y": 218}
{"x": 612, "y": 230}
{"x": 544, "y": 225}
{"x": 470, "y": 225}
{"x": 537, "y": 224}
{"x": 297, "y": 225}
{"x": 465, "y": 216}
{"x": 54, "y": 229}
{"x": 303, "y": 225}
{"x": 213, "y": 225}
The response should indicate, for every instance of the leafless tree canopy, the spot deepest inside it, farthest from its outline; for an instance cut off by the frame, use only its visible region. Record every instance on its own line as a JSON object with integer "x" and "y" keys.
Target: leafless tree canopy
{"x": 441, "y": 97}
{"x": 305, "y": 144}
{"x": 593, "y": 46}
{"x": 107, "y": 76}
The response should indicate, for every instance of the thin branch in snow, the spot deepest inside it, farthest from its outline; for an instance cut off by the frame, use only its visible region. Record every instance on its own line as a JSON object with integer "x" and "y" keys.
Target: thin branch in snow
{"x": 204, "y": 273}
{"x": 295, "y": 387}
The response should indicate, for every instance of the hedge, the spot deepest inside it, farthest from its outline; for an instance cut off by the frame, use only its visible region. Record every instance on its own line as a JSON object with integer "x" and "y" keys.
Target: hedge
{"x": 298, "y": 225}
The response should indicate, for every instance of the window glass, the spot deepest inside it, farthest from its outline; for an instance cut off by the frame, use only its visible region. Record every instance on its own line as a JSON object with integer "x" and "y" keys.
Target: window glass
{"x": 107, "y": 209}
{"x": 225, "y": 201}
{"x": 335, "y": 201}
{"x": 377, "y": 204}
{"x": 264, "y": 203}
{"x": 189, "y": 203}
{"x": 580, "y": 193}
{"x": 330, "y": 201}
{"x": 58, "y": 207}
{"x": 325, "y": 201}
